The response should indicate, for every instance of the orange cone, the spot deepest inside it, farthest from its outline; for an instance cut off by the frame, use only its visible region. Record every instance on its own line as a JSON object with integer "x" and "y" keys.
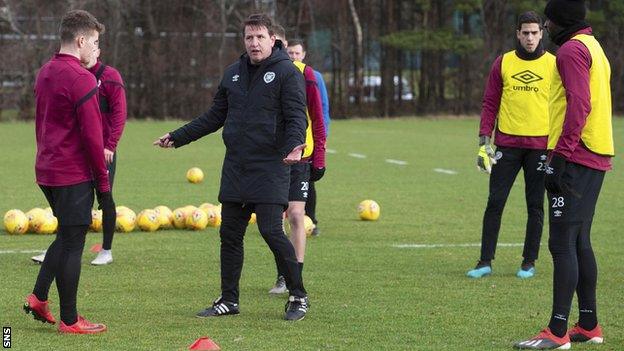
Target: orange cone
{"x": 204, "y": 343}
{"x": 96, "y": 248}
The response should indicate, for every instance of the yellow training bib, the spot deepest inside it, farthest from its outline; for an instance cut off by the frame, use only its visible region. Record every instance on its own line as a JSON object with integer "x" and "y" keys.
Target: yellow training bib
{"x": 309, "y": 140}
{"x": 597, "y": 134}
{"x": 526, "y": 88}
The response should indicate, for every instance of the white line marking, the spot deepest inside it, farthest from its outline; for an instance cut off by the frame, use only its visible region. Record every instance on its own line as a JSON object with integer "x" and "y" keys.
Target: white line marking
{"x": 19, "y": 251}
{"x": 396, "y": 162}
{"x": 431, "y": 246}
{"x": 445, "y": 171}
{"x": 331, "y": 151}
{"x": 357, "y": 155}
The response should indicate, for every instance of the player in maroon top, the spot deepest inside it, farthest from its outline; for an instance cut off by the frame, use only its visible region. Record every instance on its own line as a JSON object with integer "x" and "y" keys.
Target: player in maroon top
{"x": 504, "y": 104}
{"x": 302, "y": 172}
{"x": 112, "y": 98}
{"x": 574, "y": 175}
{"x": 112, "y": 102}
{"x": 69, "y": 166}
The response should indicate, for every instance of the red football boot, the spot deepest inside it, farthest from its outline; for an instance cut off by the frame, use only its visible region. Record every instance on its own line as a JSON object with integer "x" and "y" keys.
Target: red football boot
{"x": 578, "y": 334}
{"x": 82, "y": 326}
{"x": 39, "y": 309}
{"x": 545, "y": 340}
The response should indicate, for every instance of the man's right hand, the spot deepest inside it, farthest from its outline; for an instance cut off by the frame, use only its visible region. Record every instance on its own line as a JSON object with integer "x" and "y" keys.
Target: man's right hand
{"x": 485, "y": 157}
{"x": 164, "y": 141}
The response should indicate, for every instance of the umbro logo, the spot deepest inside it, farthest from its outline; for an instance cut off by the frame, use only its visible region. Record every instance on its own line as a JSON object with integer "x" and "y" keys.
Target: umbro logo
{"x": 558, "y": 213}
{"x": 526, "y": 77}
{"x": 235, "y": 78}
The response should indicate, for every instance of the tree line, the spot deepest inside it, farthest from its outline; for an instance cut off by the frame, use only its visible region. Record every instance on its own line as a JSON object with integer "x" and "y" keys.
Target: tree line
{"x": 379, "y": 57}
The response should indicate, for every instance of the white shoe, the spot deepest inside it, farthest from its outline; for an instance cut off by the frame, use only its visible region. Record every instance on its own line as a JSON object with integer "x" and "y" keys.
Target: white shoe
{"x": 104, "y": 257}
{"x": 39, "y": 258}
{"x": 279, "y": 287}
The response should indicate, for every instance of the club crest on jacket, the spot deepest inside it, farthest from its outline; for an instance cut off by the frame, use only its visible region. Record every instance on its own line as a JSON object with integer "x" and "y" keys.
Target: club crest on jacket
{"x": 268, "y": 77}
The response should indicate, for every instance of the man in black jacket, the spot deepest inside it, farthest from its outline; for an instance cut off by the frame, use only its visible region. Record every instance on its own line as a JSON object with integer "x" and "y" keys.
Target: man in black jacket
{"x": 260, "y": 103}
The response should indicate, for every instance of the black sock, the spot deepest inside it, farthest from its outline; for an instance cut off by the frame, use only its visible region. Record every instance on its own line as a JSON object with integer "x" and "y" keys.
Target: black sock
{"x": 588, "y": 318}
{"x": 300, "y": 267}
{"x": 108, "y": 228}
{"x": 483, "y": 263}
{"x": 526, "y": 264}
{"x": 558, "y": 324}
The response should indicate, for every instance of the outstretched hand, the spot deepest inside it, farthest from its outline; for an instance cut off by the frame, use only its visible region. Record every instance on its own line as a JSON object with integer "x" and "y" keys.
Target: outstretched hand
{"x": 164, "y": 141}
{"x": 295, "y": 155}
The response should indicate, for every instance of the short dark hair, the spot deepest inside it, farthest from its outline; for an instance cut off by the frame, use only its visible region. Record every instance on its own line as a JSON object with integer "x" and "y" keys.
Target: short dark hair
{"x": 297, "y": 42}
{"x": 529, "y": 17}
{"x": 259, "y": 20}
{"x": 279, "y": 31}
{"x": 78, "y": 22}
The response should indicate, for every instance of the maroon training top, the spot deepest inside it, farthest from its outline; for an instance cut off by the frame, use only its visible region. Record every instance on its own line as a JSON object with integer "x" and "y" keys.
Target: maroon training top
{"x": 315, "y": 109}
{"x": 489, "y": 113}
{"x": 68, "y": 125}
{"x": 573, "y": 64}
{"x": 111, "y": 89}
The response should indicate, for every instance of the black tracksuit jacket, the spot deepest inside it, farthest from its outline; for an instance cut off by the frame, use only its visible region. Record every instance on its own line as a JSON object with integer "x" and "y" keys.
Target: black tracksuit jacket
{"x": 263, "y": 119}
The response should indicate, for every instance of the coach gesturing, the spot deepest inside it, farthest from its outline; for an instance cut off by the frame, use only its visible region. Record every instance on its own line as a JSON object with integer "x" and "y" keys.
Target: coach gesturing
{"x": 260, "y": 103}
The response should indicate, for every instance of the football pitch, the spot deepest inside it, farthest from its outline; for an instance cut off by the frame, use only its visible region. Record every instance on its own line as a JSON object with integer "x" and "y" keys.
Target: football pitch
{"x": 395, "y": 284}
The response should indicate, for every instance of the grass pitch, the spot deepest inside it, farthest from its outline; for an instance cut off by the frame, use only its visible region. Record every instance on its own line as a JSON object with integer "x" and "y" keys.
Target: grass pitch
{"x": 365, "y": 293}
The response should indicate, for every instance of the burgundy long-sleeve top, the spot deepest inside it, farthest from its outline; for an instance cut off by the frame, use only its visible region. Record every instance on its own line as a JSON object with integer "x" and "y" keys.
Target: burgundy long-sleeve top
{"x": 573, "y": 64}
{"x": 111, "y": 90}
{"x": 315, "y": 110}
{"x": 489, "y": 112}
{"x": 68, "y": 125}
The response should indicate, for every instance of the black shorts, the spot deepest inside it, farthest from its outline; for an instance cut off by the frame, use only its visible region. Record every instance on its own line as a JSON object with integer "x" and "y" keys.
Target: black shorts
{"x": 578, "y": 202}
{"x": 299, "y": 182}
{"x": 71, "y": 204}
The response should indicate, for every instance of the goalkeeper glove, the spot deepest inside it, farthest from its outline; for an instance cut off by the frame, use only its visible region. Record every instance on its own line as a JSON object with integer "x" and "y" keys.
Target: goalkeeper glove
{"x": 485, "y": 158}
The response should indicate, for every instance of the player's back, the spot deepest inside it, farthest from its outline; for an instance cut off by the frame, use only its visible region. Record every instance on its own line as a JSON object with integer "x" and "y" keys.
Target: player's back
{"x": 62, "y": 87}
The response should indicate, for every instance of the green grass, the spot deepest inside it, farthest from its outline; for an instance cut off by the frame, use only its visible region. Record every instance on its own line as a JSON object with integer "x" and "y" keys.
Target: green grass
{"x": 365, "y": 294}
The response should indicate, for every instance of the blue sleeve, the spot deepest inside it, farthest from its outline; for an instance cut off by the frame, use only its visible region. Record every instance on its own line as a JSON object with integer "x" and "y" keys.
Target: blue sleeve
{"x": 324, "y": 99}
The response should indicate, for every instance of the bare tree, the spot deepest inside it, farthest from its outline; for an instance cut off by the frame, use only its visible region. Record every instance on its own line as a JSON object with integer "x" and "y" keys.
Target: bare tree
{"x": 358, "y": 79}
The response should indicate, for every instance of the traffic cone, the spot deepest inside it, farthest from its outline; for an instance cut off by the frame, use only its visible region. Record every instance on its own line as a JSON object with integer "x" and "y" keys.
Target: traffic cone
{"x": 204, "y": 343}
{"x": 96, "y": 248}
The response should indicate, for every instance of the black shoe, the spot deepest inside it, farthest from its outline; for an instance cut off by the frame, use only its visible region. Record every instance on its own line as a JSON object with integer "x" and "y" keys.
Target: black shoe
{"x": 219, "y": 308}
{"x": 316, "y": 231}
{"x": 296, "y": 308}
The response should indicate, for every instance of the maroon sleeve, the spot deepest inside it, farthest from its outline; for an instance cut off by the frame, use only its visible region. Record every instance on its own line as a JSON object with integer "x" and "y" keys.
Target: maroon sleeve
{"x": 315, "y": 109}
{"x": 89, "y": 119}
{"x": 491, "y": 98}
{"x": 573, "y": 64}
{"x": 116, "y": 94}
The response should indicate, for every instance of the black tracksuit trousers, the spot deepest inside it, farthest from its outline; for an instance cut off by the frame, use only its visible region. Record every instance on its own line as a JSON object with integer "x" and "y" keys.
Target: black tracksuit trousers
{"x": 235, "y": 217}
{"x": 504, "y": 173}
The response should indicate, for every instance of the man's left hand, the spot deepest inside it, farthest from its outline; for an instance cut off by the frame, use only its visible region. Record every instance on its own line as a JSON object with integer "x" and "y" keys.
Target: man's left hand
{"x": 295, "y": 155}
{"x": 108, "y": 156}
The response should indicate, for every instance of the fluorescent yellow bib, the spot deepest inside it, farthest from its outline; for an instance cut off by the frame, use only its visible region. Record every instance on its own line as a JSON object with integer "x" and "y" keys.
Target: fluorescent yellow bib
{"x": 597, "y": 134}
{"x": 526, "y": 87}
{"x": 309, "y": 140}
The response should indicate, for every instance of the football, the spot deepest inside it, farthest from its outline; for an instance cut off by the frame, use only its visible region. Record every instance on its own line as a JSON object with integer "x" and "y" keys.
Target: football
{"x": 15, "y": 222}
{"x": 148, "y": 221}
{"x": 195, "y": 175}
{"x": 368, "y": 210}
